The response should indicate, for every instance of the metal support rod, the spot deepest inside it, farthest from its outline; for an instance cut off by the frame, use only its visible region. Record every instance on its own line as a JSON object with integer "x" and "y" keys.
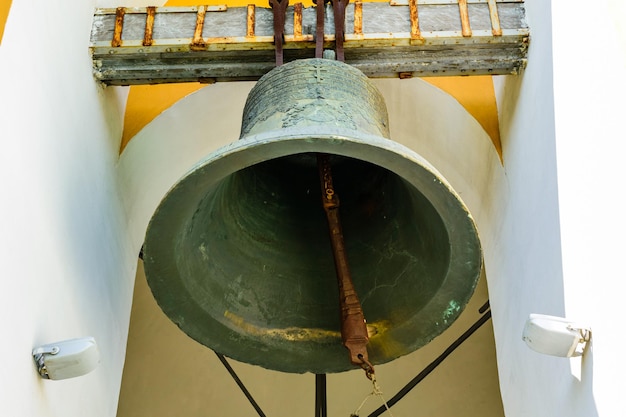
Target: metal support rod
{"x": 434, "y": 364}
{"x": 353, "y": 328}
{"x": 321, "y": 409}
{"x": 240, "y": 384}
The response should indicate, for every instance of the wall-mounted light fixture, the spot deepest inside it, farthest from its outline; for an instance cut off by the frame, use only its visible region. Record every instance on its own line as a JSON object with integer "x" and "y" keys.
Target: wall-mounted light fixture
{"x": 555, "y": 336}
{"x": 67, "y": 359}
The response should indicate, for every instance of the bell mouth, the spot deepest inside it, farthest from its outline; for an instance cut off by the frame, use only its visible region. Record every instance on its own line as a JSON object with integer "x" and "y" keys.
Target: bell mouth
{"x": 238, "y": 256}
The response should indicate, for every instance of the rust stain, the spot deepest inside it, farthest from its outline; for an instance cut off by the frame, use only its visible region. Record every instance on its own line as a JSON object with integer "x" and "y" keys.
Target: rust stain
{"x": 250, "y": 20}
{"x": 466, "y": 31}
{"x": 217, "y": 8}
{"x": 496, "y": 30}
{"x": 236, "y": 43}
{"x": 293, "y": 334}
{"x": 297, "y": 21}
{"x": 119, "y": 27}
{"x": 415, "y": 24}
{"x": 358, "y": 18}
{"x": 147, "y": 36}
{"x": 198, "y": 43}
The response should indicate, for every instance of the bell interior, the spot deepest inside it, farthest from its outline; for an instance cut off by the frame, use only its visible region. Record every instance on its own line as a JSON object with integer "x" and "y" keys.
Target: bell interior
{"x": 254, "y": 268}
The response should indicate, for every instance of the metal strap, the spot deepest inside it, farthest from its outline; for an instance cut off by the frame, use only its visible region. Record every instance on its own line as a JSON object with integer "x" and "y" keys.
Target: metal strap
{"x": 319, "y": 28}
{"x": 279, "y": 7}
{"x": 339, "y": 11}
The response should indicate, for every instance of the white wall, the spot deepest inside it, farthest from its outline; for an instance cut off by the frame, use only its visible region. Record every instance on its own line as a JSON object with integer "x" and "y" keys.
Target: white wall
{"x": 528, "y": 278}
{"x": 563, "y": 154}
{"x": 65, "y": 262}
{"x": 590, "y": 143}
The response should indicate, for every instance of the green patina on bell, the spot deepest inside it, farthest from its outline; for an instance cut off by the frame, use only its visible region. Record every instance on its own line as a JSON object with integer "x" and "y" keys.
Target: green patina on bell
{"x": 238, "y": 256}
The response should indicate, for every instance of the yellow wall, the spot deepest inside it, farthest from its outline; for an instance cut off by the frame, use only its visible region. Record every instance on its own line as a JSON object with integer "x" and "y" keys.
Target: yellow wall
{"x": 147, "y": 102}
{"x": 5, "y": 5}
{"x": 475, "y": 93}
{"x": 477, "y": 96}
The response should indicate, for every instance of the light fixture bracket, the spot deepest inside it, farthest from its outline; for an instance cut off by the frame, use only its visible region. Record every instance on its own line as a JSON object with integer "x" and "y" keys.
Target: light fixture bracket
{"x": 66, "y": 359}
{"x": 556, "y": 336}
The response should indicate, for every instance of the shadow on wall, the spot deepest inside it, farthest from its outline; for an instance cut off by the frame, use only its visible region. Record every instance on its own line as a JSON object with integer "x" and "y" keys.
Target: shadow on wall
{"x": 587, "y": 380}
{"x": 581, "y": 382}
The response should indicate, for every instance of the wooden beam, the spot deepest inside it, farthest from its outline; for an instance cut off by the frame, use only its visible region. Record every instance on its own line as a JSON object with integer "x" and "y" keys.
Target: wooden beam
{"x": 216, "y": 43}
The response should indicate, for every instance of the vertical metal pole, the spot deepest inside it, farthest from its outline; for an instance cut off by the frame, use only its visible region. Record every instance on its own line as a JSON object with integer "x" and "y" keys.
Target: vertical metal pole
{"x": 320, "y": 395}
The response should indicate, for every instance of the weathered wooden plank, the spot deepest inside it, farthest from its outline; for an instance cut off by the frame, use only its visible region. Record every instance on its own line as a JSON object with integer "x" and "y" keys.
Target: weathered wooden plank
{"x": 217, "y": 43}
{"x": 377, "y": 18}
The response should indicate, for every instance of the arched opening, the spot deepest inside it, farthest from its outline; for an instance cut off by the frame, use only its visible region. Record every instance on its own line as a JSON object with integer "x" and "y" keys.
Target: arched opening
{"x": 166, "y": 372}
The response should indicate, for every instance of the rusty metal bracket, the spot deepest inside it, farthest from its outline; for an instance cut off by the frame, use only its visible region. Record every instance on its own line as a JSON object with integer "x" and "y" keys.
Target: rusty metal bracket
{"x": 250, "y": 21}
{"x": 297, "y": 22}
{"x": 466, "y": 29}
{"x": 116, "y": 42}
{"x": 279, "y": 8}
{"x": 414, "y": 17}
{"x": 198, "y": 43}
{"x": 496, "y": 29}
{"x": 149, "y": 29}
{"x": 358, "y": 18}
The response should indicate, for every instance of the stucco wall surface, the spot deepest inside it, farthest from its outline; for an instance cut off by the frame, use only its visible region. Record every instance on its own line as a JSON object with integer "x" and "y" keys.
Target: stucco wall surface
{"x": 529, "y": 276}
{"x": 590, "y": 147}
{"x": 561, "y": 238}
{"x": 65, "y": 263}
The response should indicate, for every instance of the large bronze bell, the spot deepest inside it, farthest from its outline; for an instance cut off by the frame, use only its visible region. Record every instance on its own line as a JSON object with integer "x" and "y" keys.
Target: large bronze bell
{"x": 238, "y": 256}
